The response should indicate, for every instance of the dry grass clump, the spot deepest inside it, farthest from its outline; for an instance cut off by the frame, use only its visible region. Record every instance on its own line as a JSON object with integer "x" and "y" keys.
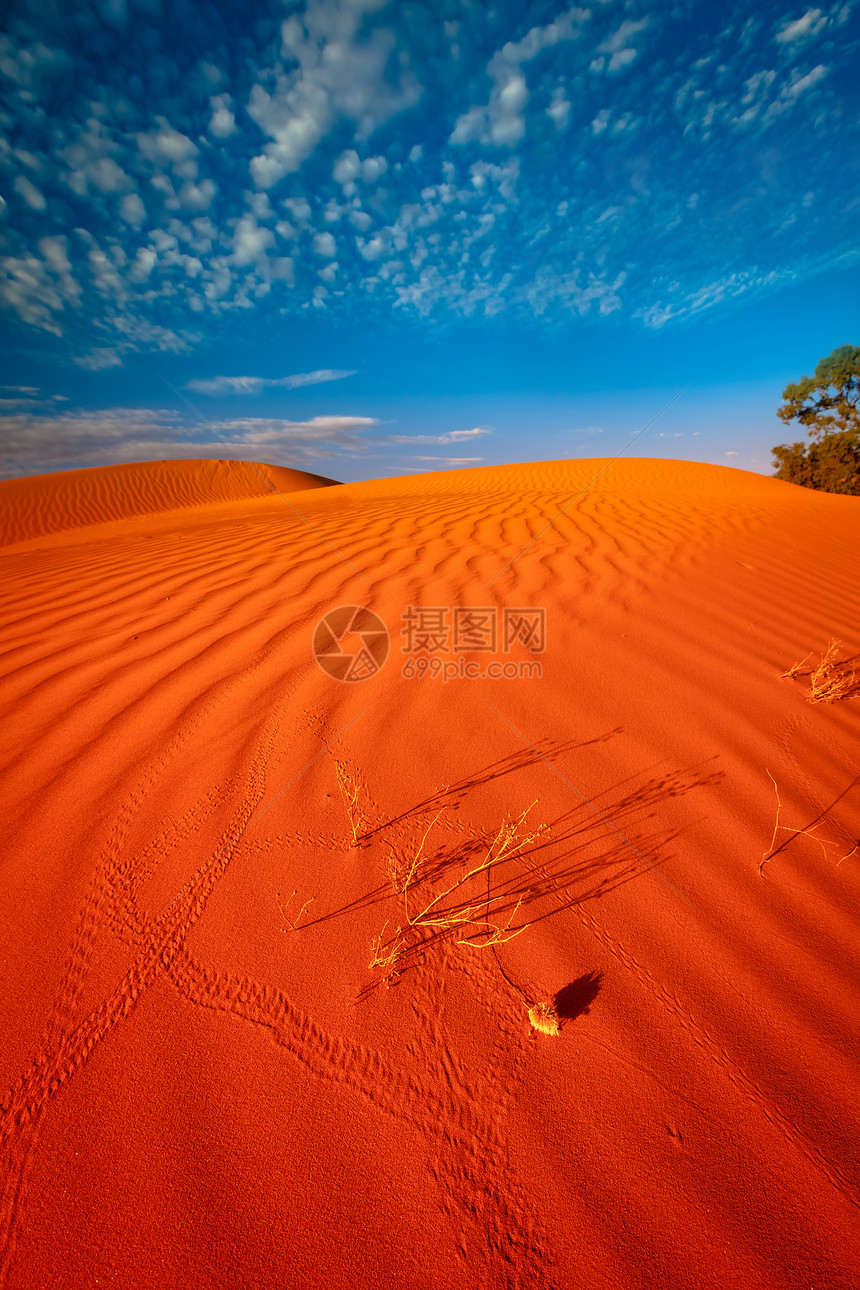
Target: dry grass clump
{"x": 831, "y": 679}
{"x": 462, "y": 904}
{"x": 466, "y": 906}
{"x": 544, "y": 1018}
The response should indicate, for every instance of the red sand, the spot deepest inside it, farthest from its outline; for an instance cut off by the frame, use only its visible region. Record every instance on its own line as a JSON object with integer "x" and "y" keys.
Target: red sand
{"x": 43, "y": 504}
{"x": 193, "y": 1096}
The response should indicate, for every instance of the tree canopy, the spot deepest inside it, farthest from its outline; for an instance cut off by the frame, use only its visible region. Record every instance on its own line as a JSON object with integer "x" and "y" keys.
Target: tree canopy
{"x": 829, "y": 401}
{"x": 828, "y": 404}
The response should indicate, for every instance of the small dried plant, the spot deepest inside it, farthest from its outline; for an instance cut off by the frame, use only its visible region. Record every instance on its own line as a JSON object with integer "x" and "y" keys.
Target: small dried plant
{"x": 830, "y": 679}
{"x": 459, "y": 905}
{"x": 382, "y": 955}
{"x": 543, "y": 1017}
{"x": 291, "y": 921}
{"x": 794, "y": 670}
{"x": 353, "y": 791}
{"x": 808, "y": 832}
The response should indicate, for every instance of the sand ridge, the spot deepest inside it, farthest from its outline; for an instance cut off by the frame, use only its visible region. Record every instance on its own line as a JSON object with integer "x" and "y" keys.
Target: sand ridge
{"x": 38, "y": 505}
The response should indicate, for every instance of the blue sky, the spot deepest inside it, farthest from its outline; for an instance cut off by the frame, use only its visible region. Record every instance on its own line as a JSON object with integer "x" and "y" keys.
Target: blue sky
{"x": 369, "y": 238}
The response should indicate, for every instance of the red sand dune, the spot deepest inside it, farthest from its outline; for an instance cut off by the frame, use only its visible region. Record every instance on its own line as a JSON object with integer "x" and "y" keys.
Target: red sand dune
{"x": 42, "y": 504}
{"x": 203, "y": 1086}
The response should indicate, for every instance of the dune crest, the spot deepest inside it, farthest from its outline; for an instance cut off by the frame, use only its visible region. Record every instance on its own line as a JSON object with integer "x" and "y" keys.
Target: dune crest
{"x": 43, "y": 504}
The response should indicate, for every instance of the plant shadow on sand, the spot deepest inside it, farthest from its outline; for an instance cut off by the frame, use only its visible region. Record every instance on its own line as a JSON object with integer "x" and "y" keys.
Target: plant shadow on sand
{"x": 589, "y": 851}
{"x": 575, "y": 1000}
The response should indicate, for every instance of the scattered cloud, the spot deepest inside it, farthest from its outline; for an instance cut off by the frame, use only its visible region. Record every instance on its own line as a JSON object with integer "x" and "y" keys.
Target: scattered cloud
{"x": 33, "y": 443}
{"x": 812, "y": 22}
{"x": 453, "y": 436}
{"x": 366, "y": 160}
{"x": 501, "y": 121}
{"x": 222, "y": 123}
{"x": 31, "y": 194}
{"x": 257, "y": 384}
{"x": 618, "y": 48}
{"x": 451, "y": 461}
{"x": 99, "y": 359}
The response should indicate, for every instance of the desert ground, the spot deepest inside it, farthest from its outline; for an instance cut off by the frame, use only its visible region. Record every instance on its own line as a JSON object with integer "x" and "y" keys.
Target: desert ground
{"x": 265, "y": 1017}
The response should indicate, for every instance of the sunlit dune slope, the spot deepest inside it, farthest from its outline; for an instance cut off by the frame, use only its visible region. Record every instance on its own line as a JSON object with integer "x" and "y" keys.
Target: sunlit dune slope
{"x": 264, "y": 1017}
{"x": 41, "y": 504}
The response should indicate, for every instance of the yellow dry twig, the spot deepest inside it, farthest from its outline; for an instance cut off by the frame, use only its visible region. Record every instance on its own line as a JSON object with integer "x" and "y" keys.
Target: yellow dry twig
{"x": 849, "y": 854}
{"x": 402, "y": 872}
{"x": 292, "y": 925}
{"x": 389, "y": 957}
{"x": 794, "y": 669}
{"x": 350, "y": 784}
{"x": 808, "y": 832}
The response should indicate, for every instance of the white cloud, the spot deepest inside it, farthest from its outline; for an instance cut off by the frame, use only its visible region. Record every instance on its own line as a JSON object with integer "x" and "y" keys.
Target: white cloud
{"x": 373, "y": 168}
{"x": 256, "y": 384}
{"x": 32, "y": 443}
{"x": 559, "y": 109}
{"x": 279, "y": 267}
{"x": 99, "y": 359}
{"x": 617, "y": 47}
{"x": 144, "y": 262}
{"x": 620, "y": 38}
{"x": 223, "y": 123}
{"x": 24, "y": 64}
{"x": 250, "y": 242}
{"x": 809, "y": 25}
{"x": 621, "y": 59}
{"x": 451, "y": 461}
{"x": 166, "y": 146}
{"x": 713, "y": 293}
{"x": 32, "y": 195}
{"x": 197, "y": 197}
{"x": 347, "y": 168}
{"x": 501, "y": 121}
{"x": 799, "y": 83}
{"x": 453, "y": 436}
{"x": 299, "y": 209}
{"x": 342, "y": 72}
{"x": 38, "y": 289}
{"x": 324, "y": 244}
{"x": 132, "y": 210}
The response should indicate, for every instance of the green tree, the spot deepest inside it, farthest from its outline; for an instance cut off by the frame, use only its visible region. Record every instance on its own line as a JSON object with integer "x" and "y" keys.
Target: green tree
{"x": 828, "y": 404}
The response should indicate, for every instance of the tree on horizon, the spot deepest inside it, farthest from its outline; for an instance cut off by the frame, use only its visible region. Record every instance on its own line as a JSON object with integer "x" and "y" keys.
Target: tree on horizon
{"x": 828, "y": 404}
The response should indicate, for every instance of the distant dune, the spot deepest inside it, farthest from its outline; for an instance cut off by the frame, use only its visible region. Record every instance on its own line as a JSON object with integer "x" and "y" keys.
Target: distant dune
{"x": 253, "y": 1030}
{"x": 42, "y": 504}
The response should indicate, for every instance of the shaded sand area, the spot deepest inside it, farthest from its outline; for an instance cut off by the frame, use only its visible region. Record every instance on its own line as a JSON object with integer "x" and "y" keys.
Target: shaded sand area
{"x": 205, "y": 1084}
